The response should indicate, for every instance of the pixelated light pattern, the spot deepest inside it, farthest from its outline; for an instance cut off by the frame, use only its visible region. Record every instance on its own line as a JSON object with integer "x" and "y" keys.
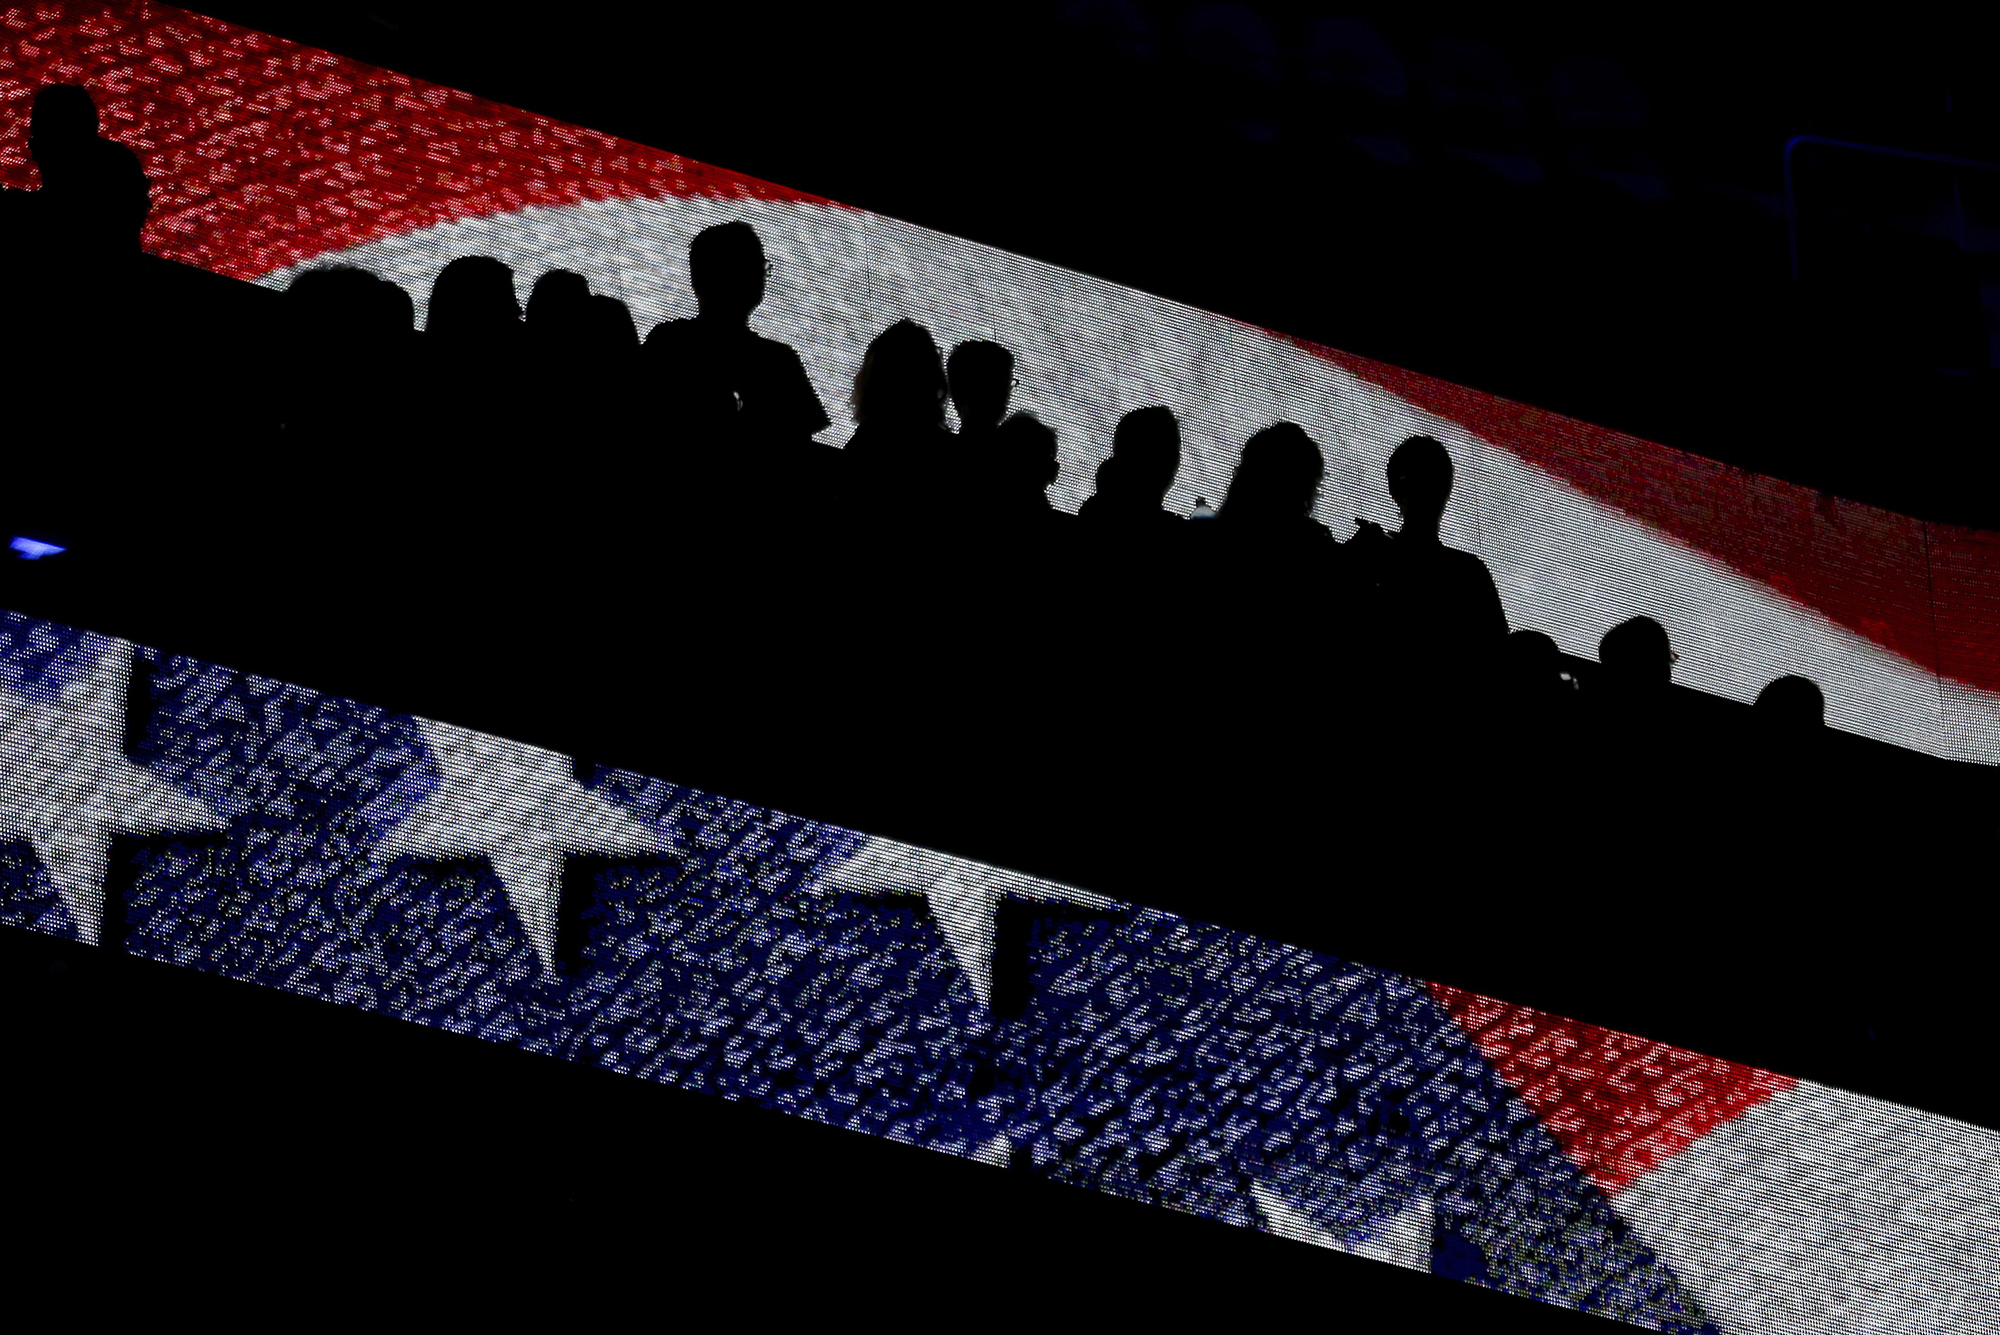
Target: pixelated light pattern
{"x": 267, "y": 157}
{"x": 518, "y": 807}
{"x": 67, "y": 788}
{"x": 964, "y": 898}
{"x": 731, "y": 950}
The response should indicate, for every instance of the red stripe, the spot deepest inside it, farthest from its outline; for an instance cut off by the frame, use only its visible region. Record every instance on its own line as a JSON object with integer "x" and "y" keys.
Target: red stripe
{"x": 1619, "y": 1105}
{"x": 1869, "y": 570}
{"x": 264, "y": 153}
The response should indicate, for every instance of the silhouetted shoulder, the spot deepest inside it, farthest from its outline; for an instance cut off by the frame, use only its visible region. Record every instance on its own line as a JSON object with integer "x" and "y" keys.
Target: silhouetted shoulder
{"x": 1458, "y": 587}
{"x": 671, "y": 336}
{"x": 789, "y": 400}
{"x": 766, "y": 376}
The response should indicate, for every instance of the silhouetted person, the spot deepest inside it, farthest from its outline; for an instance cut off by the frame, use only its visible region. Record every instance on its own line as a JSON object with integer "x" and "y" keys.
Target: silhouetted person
{"x": 901, "y": 454}
{"x": 1132, "y": 483}
{"x": 473, "y": 306}
{"x": 1438, "y": 614}
{"x": 343, "y": 388}
{"x": 1791, "y": 707}
{"x": 981, "y": 376}
{"x": 605, "y": 327}
{"x": 1272, "y": 492}
{"x": 1530, "y": 719}
{"x": 1023, "y": 465}
{"x": 981, "y": 379}
{"x": 555, "y": 310}
{"x": 1635, "y": 663}
{"x": 347, "y": 334}
{"x": 1531, "y": 669}
{"x": 1273, "y": 578}
{"x": 94, "y": 196}
{"x": 727, "y": 269}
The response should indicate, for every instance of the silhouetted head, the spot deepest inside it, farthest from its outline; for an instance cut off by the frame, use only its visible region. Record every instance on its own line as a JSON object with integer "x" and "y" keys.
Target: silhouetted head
{"x": 555, "y": 305}
{"x": 473, "y": 301}
{"x": 1145, "y": 455}
{"x": 727, "y": 269}
{"x": 63, "y": 117}
{"x": 1024, "y": 459}
{"x": 1636, "y": 657}
{"x": 343, "y": 309}
{"x": 982, "y": 380}
{"x": 1420, "y": 476}
{"x": 1278, "y": 477}
{"x": 1531, "y": 665}
{"x": 901, "y": 380}
{"x": 1792, "y": 704}
{"x": 605, "y": 326}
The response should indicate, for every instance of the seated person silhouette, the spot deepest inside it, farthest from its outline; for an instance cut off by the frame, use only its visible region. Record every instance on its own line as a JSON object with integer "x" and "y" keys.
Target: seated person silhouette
{"x": 728, "y": 271}
{"x": 901, "y": 456}
{"x": 475, "y": 349}
{"x": 74, "y": 241}
{"x": 981, "y": 378}
{"x": 1791, "y": 706}
{"x": 555, "y": 311}
{"x": 1273, "y": 573}
{"x": 473, "y": 308}
{"x": 1023, "y": 464}
{"x": 345, "y": 338}
{"x": 1271, "y": 495}
{"x": 1132, "y": 483}
{"x": 604, "y": 327}
{"x": 1531, "y": 671}
{"x": 1437, "y": 608}
{"x": 1635, "y": 663}
{"x": 1788, "y": 736}
{"x": 980, "y": 375}
{"x": 347, "y": 328}
{"x": 94, "y": 196}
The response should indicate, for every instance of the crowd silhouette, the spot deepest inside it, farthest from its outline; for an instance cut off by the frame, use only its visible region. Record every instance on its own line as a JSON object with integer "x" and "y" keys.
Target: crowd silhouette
{"x": 1125, "y": 669}
{"x": 1263, "y": 605}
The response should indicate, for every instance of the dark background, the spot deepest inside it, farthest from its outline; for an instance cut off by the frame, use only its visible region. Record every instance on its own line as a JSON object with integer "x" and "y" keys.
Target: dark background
{"x": 1589, "y": 217}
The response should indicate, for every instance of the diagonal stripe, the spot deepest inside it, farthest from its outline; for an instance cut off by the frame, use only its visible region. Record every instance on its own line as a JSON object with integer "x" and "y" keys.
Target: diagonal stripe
{"x": 1618, "y": 1104}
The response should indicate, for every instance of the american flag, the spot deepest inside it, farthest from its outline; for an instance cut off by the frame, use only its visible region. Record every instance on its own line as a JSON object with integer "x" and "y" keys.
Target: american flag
{"x": 493, "y": 888}
{"x": 268, "y": 158}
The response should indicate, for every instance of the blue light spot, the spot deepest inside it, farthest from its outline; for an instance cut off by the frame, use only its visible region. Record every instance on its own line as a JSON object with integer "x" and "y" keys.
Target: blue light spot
{"x": 33, "y": 549}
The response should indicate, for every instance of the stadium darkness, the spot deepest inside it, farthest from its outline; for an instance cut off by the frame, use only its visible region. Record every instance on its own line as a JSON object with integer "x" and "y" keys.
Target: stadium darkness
{"x": 1639, "y": 276}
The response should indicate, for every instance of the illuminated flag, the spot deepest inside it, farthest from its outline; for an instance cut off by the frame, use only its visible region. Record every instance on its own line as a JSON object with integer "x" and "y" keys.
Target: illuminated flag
{"x": 413, "y": 869}
{"x": 268, "y": 158}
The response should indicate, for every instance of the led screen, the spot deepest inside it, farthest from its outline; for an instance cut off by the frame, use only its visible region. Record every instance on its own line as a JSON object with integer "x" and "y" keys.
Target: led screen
{"x": 305, "y": 841}
{"x": 268, "y": 158}
{"x": 422, "y": 871}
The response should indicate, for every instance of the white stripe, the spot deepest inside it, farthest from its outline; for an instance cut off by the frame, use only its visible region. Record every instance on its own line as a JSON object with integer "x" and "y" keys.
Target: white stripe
{"x": 1090, "y": 351}
{"x": 1828, "y": 1212}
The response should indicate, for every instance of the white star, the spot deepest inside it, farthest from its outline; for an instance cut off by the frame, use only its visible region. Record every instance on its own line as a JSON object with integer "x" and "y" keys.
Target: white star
{"x": 521, "y": 808}
{"x": 66, "y": 786}
{"x": 999, "y": 1151}
{"x": 1404, "y": 1241}
{"x": 964, "y": 897}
